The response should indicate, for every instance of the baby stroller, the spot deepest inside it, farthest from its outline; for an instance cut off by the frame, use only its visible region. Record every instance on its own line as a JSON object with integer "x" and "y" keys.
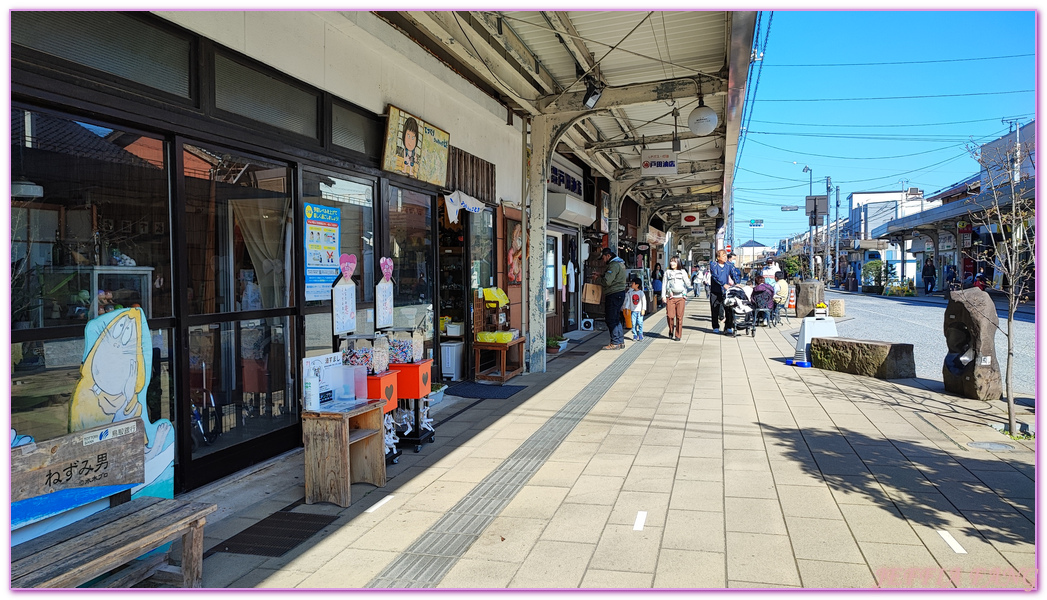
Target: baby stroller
{"x": 737, "y": 299}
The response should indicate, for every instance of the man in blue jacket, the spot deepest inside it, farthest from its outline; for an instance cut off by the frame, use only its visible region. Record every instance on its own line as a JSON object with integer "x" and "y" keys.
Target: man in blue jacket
{"x": 722, "y": 274}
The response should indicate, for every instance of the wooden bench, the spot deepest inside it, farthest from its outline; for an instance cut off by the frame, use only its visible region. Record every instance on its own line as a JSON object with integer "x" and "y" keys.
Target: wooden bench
{"x": 85, "y": 550}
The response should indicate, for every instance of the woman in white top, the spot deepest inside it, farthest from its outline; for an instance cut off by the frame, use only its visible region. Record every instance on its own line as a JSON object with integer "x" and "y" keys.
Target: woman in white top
{"x": 675, "y": 285}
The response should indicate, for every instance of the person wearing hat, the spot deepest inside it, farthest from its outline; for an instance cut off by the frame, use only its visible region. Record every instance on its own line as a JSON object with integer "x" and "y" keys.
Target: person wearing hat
{"x": 769, "y": 269}
{"x": 614, "y": 289}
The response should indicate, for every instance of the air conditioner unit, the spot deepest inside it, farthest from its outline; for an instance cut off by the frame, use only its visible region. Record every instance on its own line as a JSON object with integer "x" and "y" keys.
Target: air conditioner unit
{"x": 914, "y": 191}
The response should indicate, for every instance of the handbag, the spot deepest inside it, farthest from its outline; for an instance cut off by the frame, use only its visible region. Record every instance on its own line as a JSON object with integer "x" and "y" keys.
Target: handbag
{"x": 592, "y": 293}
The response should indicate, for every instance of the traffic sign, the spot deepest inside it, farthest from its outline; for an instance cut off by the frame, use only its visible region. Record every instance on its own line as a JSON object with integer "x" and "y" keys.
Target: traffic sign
{"x": 790, "y": 208}
{"x": 754, "y": 223}
{"x": 727, "y": 247}
{"x": 817, "y": 205}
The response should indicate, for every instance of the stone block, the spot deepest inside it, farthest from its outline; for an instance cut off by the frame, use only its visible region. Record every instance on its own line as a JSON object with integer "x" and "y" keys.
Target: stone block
{"x": 808, "y": 293}
{"x": 883, "y": 360}
{"x": 971, "y": 369}
{"x": 836, "y": 308}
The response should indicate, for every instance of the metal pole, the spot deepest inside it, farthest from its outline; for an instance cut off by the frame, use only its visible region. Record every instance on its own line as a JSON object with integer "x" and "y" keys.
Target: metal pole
{"x": 810, "y": 227}
{"x": 837, "y": 256}
{"x": 825, "y": 251}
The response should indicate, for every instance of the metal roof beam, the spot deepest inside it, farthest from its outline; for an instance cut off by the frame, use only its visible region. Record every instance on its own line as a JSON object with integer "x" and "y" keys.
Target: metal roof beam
{"x": 657, "y": 139}
{"x": 665, "y": 90}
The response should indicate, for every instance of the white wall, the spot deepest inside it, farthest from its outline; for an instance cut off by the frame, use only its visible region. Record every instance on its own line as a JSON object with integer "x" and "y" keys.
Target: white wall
{"x": 360, "y": 58}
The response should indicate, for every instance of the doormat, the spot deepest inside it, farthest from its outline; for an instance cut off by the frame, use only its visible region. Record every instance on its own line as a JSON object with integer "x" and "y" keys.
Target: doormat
{"x": 275, "y": 535}
{"x": 471, "y": 389}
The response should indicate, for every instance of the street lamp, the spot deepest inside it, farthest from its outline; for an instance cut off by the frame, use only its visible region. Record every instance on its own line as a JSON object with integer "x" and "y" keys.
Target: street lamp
{"x": 810, "y": 228}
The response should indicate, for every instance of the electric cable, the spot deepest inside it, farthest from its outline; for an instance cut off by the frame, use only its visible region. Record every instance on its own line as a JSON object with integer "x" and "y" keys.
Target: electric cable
{"x": 911, "y": 62}
{"x": 839, "y": 125}
{"x": 964, "y": 95}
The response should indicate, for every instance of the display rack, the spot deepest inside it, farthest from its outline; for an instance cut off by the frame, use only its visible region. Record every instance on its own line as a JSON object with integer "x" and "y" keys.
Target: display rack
{"x": 414, "y": 384}
{"x": 489, "y": 316}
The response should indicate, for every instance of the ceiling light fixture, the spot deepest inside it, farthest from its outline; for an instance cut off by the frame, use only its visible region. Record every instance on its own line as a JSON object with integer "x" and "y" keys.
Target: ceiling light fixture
{"x": 702, "y": 120}
{"x": 593, "y": 91}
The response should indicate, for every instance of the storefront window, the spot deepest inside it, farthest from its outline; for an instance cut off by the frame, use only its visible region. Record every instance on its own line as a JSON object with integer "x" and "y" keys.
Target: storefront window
{"x": 239, "y": 232}
{"x": 240, "y": 381}
{"x": 411, "y": 244}
{"x": 551, "y": 267}
{"x": 481, "y": 246}
{"x": 90, "y": 221}
{"x": 46, "y": 374}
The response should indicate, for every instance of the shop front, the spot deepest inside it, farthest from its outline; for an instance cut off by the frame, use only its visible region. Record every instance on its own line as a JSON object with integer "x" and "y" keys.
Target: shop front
{"x": 568, "y": 214}
{"x": 182, "y": 191}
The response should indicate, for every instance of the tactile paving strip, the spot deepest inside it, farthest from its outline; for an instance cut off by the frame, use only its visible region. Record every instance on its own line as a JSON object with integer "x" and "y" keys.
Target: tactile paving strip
{"x": 425, "y": 562}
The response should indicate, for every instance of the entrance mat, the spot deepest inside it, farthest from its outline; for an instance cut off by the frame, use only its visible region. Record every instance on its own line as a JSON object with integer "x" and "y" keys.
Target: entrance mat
{"x": 470, "y": 389}
{"x": 276, "y": 534}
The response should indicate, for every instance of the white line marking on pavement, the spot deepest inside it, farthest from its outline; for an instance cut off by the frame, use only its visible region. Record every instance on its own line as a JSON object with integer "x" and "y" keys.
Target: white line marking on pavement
{"x": 949, "y": 539}
{"x": 379, "y": 503}
{"x": 641, "y": 517}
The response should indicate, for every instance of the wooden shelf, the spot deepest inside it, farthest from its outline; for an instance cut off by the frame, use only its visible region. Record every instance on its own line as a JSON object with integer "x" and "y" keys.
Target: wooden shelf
{"x": 331, "y": 466}
{"x": 356, "y": 435}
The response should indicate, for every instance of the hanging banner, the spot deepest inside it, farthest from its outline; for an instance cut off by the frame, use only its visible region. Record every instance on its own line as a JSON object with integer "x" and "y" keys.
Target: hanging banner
{"x": 321, "y": 250}
{"x": 458, "y": 200}
{"x": 343, "y": 297}
{"x": 383, "y": 296}
{"x": 415, "y": 148}
{"x": 657, "y": 162}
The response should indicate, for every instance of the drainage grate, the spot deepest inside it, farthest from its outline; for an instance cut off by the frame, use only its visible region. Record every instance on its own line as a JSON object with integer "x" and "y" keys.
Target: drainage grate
{"x": 991, "y": 446}
{"x": 425, "y": 562}
{"x": 276, "y": 534}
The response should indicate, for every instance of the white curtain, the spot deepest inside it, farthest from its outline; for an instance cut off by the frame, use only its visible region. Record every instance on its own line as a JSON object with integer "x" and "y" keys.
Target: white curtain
{"x": 263, "y": 223}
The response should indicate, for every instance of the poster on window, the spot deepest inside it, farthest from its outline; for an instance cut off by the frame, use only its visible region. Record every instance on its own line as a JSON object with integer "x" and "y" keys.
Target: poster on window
{"x": 605, "y": 212}
{"x": 343, "y": 297}
{"x": 383, "y": 296}
{"x": 415, "y": 148}
{"x": 321, "y": 250}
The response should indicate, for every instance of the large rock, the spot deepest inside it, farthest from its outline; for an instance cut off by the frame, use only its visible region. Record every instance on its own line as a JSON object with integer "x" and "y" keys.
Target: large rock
{"x": 808, "y": 293}
{"x": 883, "y": 360}
{"x": 971, "y": 368}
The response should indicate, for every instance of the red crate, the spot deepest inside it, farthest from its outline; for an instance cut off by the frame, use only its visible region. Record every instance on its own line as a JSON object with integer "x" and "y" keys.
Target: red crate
{"x": 415, "y": 379}
{"x": 383, "y": 387}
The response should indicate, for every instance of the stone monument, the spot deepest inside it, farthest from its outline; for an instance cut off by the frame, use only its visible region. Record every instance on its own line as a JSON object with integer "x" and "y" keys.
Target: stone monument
{"x": 808, "y": 293}
{"x": 971, "y": 368}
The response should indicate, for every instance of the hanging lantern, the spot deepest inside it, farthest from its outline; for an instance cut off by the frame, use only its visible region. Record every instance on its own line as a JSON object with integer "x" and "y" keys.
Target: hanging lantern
{"x": 702, "y": 120}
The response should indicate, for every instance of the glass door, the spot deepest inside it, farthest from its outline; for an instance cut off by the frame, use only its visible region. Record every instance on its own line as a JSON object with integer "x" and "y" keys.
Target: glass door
{"x": 411, "y": 248}
{"x": 239, "y": 232}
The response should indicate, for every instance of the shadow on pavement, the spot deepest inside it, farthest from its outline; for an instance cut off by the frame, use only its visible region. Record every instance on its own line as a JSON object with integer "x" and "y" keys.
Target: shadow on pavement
{"x": 927, "y": 486}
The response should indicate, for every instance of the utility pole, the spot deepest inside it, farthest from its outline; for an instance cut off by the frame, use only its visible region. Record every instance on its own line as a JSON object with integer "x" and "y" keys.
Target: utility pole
{"x": 810, "y": 228}
{"x": 825, "y": 252}
{"x": 836, "y": 256}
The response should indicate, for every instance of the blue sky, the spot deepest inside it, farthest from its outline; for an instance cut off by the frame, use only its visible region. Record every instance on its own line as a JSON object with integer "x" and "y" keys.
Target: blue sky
{"x": 841, "y": 138}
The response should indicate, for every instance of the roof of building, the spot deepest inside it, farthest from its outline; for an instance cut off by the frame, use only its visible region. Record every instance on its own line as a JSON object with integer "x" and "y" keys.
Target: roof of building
{"x": 753, "y": 244}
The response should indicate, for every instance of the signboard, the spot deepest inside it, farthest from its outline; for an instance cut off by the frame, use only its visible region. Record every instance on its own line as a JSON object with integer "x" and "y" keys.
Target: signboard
{"x": 755, "y": 223}
{"x": 816, "y": 221}
{"x": 690, "y": 218}
{"x": 415, "y": 148}
{"x": 697, "y": 231}
{"x": 643, "y": 247}
{"x": 790, "y": 208}
{"x": 343, "y": 297}
{"x": 657, "y": 162}
{"x": 946, "y": 241}
{"x": 383, "y": 295}
{"x": 819, "y": 204}
{"x": 565, "y": 177}
{"x": 321, "y": 250}
{"x": 655, "y": 236}
{"x": 328, "y": 369}
{"x": 727, "y": 247}
{"x": 110, "y": 454}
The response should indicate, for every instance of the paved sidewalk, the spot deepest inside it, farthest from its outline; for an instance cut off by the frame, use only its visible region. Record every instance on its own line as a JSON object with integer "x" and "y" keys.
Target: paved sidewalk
{"x": 705, "y": 463}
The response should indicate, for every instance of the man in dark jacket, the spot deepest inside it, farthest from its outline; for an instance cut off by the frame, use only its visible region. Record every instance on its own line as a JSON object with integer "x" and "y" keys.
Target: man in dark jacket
{"x": 722, "y": 274}
{"x": 614, "y": 289}
{"x": 928, "y": 274}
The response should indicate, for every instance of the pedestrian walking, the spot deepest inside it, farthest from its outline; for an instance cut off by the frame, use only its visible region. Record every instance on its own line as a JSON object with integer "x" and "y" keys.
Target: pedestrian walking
{"x": 928, "y": 277}
{"x": 769, "y": 269}
{"x": 696, "y": 281}
{"x": 675, "y": 286}
{"x": 721, "y": 275}
{"x": 656, "y": 284}
{"x": 636, "y": 303}
{"x": 614, "y": 287}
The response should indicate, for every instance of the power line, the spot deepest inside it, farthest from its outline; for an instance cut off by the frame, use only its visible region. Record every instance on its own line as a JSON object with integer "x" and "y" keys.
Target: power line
{"x": 910, "y": 62}
{"x": 996, "y": 134}
{"x": 882, "y": 125}
{"x": 896, "y": 97}
{"x": 870, "y": 136}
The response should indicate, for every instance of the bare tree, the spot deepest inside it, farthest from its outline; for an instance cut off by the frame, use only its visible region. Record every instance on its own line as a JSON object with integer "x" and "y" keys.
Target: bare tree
{"x": 1006, "y": 209}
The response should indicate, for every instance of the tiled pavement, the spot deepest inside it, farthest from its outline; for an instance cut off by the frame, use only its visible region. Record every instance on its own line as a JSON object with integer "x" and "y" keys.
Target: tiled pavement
{"x": 748, "y": 473}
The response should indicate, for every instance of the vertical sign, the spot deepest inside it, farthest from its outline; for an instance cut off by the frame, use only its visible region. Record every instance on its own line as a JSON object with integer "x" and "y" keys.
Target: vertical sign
{"x": 321, "y": 250}
{"x": 343, "y": 297}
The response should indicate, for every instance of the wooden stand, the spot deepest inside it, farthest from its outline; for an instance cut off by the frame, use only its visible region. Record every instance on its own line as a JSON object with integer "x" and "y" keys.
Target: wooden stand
{"x": 342, "y": 448}
{"x": 383, "y": 386}
{"x": 505, "y": 372}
